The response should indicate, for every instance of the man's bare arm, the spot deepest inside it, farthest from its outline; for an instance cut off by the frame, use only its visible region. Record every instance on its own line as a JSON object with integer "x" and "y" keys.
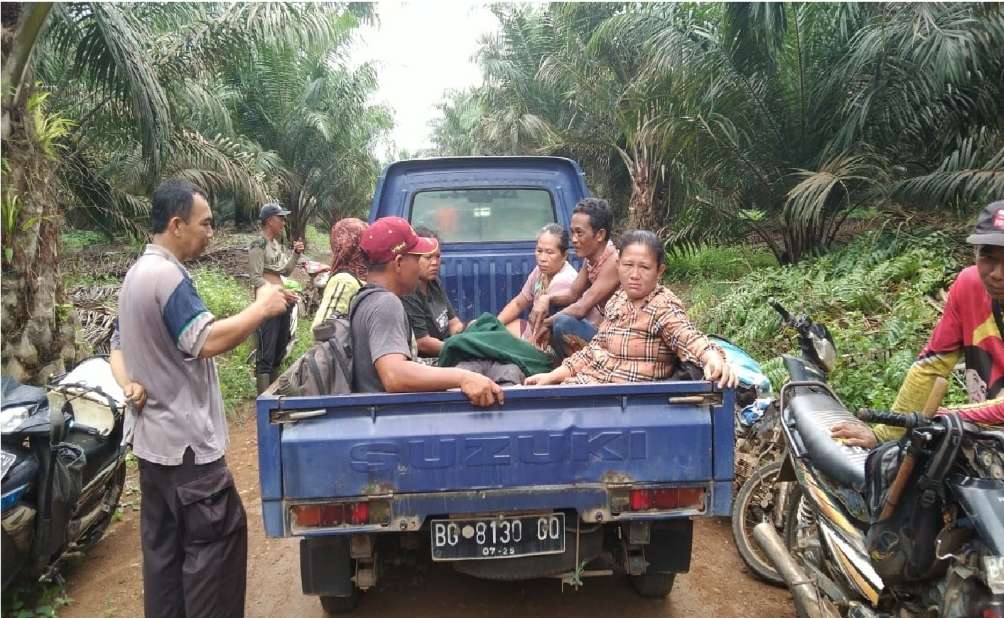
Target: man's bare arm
{"x": 574, "y": 292}
{"x": 227, "y": 334}
{"x": 400, "y": 375}
{"x": 429, "y": 346}
{"x": 605, "y": 285}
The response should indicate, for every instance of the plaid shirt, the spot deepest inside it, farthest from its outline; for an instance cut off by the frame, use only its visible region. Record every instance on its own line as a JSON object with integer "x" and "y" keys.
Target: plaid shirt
{"x": 639, "y": 345}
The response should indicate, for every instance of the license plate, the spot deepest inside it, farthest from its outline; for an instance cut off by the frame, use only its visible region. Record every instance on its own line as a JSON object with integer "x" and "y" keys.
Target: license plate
{"x": 497, "y": 537}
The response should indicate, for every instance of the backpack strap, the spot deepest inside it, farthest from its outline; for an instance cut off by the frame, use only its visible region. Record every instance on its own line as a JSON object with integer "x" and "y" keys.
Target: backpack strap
{"x": 370, "y": 289}
{"x": 315, "y": 371}
{"x": 343, "y": 362}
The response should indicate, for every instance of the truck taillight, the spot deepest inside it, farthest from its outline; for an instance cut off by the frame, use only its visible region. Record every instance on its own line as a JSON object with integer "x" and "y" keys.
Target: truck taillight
{"x": 326, "y": 515}
{"x": 666, "y": 499}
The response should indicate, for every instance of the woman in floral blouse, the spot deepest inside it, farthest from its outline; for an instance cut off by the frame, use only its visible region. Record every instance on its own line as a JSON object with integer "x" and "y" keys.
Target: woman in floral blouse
{"x": 646, "y": 333}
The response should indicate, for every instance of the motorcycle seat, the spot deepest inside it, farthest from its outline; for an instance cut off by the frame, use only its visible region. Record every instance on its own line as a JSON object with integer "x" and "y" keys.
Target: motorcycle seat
{"x": 814, "y": 413}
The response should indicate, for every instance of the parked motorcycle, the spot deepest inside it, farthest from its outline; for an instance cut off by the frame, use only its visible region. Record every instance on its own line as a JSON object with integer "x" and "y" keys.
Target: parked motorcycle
{"x": 928, "y": 542}
{"x": 63, "y": 467}
{"x": 760, "y": 449}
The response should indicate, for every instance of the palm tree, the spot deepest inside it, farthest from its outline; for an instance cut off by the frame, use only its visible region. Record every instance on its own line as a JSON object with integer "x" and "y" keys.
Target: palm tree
{"x": 143, "y": 85}
{"x": 311, "y": 110}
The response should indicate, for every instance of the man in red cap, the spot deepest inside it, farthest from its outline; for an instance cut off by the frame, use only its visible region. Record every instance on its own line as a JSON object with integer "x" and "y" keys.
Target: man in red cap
{"x": 383, "y": 344}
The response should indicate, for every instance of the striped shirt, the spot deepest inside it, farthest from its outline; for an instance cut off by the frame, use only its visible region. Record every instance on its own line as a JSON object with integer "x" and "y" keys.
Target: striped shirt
{"x": 639, "y": 344}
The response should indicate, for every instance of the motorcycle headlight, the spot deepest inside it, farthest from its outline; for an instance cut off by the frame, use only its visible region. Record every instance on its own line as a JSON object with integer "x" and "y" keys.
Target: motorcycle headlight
{"x": 11, "y": 418}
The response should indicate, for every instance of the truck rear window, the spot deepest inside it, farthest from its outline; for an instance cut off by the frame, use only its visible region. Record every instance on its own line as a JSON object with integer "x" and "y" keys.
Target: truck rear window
{"x": 480, "y": 215}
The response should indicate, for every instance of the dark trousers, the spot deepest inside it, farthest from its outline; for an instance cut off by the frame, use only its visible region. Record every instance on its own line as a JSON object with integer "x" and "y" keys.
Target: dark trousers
{"x": 194, "y": 535}
{"x": 273, "y": 337}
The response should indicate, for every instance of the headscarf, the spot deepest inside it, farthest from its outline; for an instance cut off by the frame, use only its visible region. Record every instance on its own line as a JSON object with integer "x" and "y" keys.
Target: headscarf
{"x": 346, "y": 253}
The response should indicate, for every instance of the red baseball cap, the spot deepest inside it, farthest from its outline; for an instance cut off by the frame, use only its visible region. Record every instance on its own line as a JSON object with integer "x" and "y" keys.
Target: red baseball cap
{"x": 388, "y": 237}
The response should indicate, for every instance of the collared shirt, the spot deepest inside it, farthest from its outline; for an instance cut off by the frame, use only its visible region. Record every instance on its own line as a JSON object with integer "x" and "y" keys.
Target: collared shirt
{"x": 638, "y": 344}
{"x": 161, "y": 328}
{"x": 269, "y": 256}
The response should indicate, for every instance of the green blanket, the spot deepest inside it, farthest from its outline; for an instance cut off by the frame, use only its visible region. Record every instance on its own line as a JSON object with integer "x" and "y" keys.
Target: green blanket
{"x": 486, "y": 337}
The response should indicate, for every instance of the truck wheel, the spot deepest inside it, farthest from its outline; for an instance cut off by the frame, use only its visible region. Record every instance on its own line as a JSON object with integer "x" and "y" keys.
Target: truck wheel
{"x": 756, "y": 502}
{"x": 340, "y": 605}
{"x": 653, "y": 585}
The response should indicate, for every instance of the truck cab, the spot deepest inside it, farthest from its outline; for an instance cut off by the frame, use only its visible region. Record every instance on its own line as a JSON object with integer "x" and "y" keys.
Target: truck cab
{"x": 563, "y": 482}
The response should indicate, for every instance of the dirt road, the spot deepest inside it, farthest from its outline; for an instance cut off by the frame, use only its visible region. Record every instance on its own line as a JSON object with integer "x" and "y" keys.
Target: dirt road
{"x": 108, "y": 582}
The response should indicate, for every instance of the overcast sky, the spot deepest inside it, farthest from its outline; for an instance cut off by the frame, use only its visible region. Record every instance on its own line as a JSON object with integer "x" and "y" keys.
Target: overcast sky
{"x": 422, "y": 50}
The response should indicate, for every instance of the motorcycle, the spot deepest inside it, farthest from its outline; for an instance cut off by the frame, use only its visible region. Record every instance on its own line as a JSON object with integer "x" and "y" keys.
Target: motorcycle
{"x": 63, "y": 467}
{"x": 853, "y": 545}
{"x": 760, "y": 496}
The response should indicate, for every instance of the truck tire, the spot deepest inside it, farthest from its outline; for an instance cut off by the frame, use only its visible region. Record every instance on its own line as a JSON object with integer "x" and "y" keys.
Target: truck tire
{"x": 754, "y": 504}
{"x": 340, "y": 605}
{"x": 653, "y": 585}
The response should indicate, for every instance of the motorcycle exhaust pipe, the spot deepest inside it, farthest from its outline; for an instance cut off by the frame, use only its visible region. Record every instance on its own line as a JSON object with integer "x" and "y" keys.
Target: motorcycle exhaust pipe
{"x": 802, "y": 589}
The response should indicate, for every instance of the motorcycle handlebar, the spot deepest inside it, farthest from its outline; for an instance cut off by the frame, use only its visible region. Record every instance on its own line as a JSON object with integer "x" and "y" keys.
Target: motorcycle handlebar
{"x": 895, "y": 419}
{"x": 780, "y": 309}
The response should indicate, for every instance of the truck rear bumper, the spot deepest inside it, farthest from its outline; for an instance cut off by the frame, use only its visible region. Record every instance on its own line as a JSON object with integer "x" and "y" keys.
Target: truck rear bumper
{"x": 408, "y": 512}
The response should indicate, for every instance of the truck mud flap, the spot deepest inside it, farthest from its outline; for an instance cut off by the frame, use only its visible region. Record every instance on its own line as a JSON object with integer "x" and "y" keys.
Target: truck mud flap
{"x": 326, "y": 566}
{"x": 669, "y": 549}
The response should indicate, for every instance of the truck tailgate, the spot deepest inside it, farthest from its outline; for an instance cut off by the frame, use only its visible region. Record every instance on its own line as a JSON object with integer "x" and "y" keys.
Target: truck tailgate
{"x": 374, "y": 444}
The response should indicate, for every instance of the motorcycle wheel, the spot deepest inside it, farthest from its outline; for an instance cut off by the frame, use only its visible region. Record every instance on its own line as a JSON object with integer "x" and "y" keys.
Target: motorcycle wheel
{"x": 109, "y": 503}
{"x": 755, "y": 503}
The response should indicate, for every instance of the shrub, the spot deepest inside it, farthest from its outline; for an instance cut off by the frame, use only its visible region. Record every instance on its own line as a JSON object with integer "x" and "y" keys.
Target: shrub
{"x": 875, "y": 296}
{"x": 722, "y": 263}
{"x": 224, "y": 295}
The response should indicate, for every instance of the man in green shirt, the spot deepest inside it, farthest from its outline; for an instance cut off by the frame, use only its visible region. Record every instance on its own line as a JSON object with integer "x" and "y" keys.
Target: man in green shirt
{"x": 432, "y": 317}
{"x": 268, "y": 260}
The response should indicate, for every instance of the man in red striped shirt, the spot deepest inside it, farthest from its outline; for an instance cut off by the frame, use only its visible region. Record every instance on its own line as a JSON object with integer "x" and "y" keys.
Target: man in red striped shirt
{"x": 969, "y": 329}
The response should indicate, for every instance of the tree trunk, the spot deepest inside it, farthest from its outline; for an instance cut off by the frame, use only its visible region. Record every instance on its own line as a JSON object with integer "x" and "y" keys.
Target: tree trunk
{"x": 39, "y": 326}
{"x": 31, "y": 18}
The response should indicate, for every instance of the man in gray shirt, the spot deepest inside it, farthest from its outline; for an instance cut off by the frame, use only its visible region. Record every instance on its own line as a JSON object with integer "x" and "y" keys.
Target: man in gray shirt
{"x": 383, "y": 344}
{"x": 193, "y": 528}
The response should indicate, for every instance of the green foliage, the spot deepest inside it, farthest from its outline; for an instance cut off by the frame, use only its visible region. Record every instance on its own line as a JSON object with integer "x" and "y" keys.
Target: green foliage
{"x": 74, "y": 240}
{"x": 798, "y": 114}
{"x": 316, "y": 240}
{"x": 725, "y": 263}
{"x": 48, "y": 128}
{"x": 236, "y": 375}
{"x": 32, "y": 600}
{"x": 875, "y": 295}
{"x": 224, "y": 295}
{"x": 195, "y": 91}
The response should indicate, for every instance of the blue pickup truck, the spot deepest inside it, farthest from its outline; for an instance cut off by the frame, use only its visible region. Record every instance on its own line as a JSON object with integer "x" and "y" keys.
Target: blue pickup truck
{"x": 562, "y": 482}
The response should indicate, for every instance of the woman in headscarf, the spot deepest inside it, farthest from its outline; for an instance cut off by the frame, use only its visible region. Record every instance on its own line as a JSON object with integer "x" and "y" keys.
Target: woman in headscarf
{"x": 348, "y": 268}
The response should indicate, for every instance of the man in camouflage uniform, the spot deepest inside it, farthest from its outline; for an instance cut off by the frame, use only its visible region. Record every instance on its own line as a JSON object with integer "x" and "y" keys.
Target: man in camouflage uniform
{"x": 268, "y": 260}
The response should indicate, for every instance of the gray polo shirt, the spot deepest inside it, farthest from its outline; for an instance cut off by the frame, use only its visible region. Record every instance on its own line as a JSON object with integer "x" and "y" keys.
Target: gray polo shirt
{"x": 162, "y": 326}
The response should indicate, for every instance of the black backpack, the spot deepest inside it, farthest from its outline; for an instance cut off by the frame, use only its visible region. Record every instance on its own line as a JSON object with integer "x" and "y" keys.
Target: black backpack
{"x": 326, "y": 367}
